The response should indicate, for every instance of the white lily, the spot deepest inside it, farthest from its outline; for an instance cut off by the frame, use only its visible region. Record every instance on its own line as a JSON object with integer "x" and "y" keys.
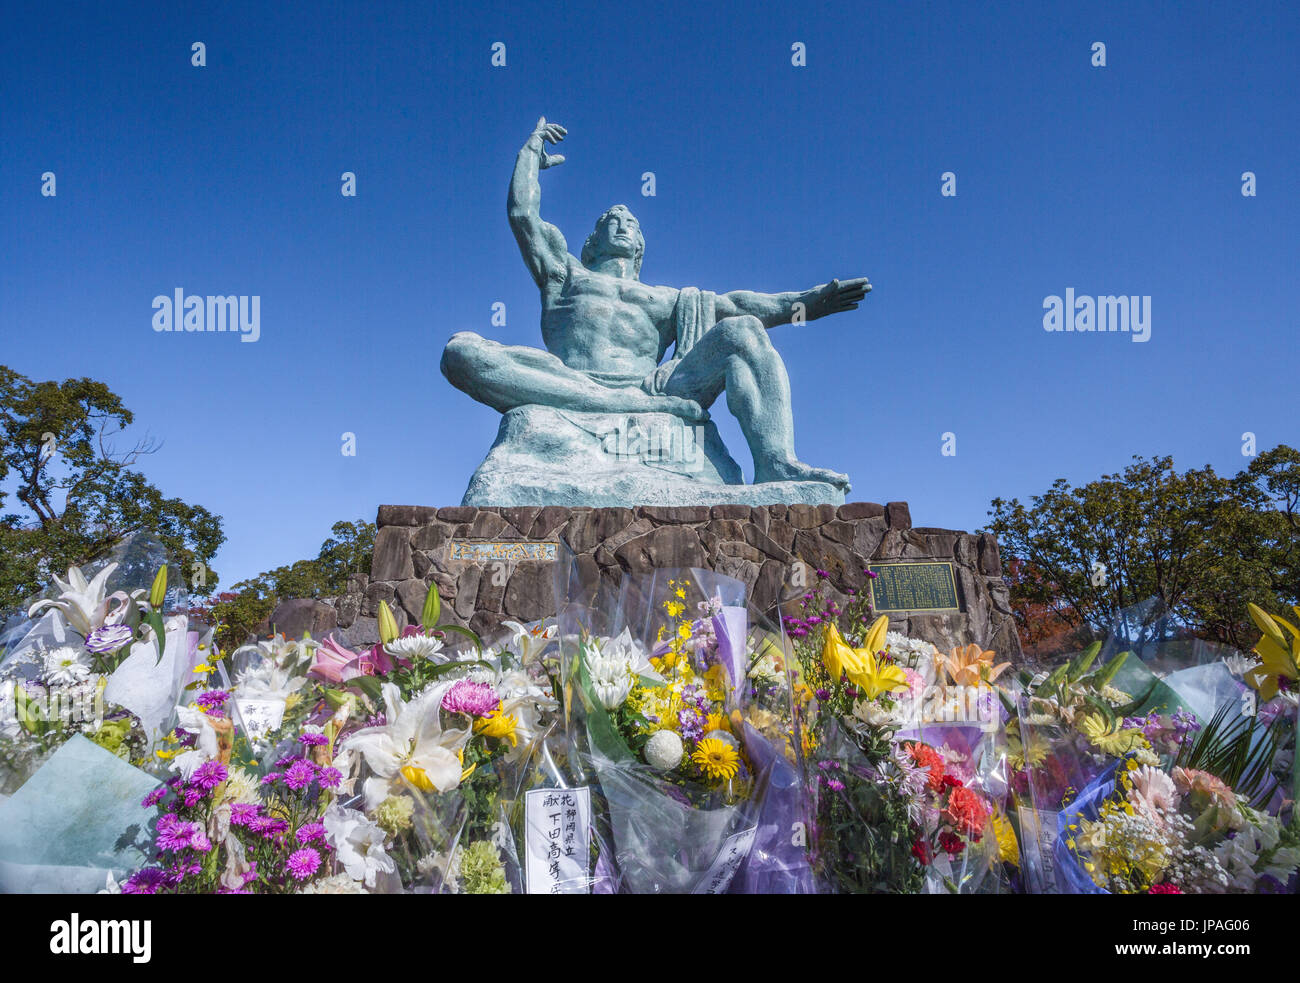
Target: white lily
{"x": 358, "y": 844}
{"x": 268, "y": 681}
{"x": 529, "y": 643}
{"x": 411, "y": 748}
{"x": 84, "y": 604}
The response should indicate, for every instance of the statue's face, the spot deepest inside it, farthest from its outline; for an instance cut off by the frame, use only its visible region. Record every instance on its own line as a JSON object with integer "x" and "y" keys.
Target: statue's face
{"x": 620, "y": 233}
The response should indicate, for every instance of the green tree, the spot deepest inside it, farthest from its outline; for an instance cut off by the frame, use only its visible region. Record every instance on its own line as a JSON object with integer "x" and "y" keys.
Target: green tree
{"x": 76, "y": 494}
{"x": 1199, "y": 544}
{"x": 242, "y": 610}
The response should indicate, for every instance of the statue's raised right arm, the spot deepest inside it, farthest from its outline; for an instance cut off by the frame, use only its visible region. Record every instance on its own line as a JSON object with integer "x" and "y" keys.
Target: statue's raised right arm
{"x": 545, "y": 251}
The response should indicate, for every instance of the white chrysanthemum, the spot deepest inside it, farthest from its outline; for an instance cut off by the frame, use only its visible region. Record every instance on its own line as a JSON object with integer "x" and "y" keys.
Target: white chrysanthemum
{"x": 241, "y": 787}
{"x": 873, "y": 714}
{"x": 663, "y": 752}
{"x": 1115, "y": 697}
{"x": 415, "y": 646}
{"x": 335, "y": 884}
{"x": 66, "y": 665}
{"x": 611, "y": 676}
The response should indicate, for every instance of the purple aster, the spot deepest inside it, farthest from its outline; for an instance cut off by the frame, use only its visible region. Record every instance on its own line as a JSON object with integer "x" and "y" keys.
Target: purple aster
{"x": 271, "y": 779}
{"x": 475, "y": 699}
{"x": 147, "y": 880}
{"x": 109, "y": 638}
{"x": 173, "y": 834}
{"x": 823, "y": 695}
{"x": 241, "y": 813}
{"x": 311, "y": 832}
{"x": 313, "y": 740}
{"x": 823, "y": 574}
{"x": 303, "y": 863}
{"x": 300, "y": 774}
{"x": 213, "y": 699}
{"x": 834, "y": 785}
{"x": 330, "y": 778}
{"x": 209, "y": 775}
{"x": 286, "y": 761}
{"x": 193, "y": 796}
{"x": 199, "y": 841}
{"x": 267, "y": 827}
{"x": 154, "y": 797}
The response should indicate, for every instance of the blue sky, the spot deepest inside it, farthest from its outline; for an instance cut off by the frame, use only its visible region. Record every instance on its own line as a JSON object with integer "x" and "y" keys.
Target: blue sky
{"x": 225, "y": 180}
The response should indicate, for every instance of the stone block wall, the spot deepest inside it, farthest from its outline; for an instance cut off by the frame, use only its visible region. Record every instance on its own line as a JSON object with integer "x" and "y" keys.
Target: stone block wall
{"x": 759, "y": 545}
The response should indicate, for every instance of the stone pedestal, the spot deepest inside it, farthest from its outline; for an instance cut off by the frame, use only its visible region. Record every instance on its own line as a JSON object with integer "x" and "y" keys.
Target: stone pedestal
{"x": 544, "y": 456}
{"x": 490, "y": 564}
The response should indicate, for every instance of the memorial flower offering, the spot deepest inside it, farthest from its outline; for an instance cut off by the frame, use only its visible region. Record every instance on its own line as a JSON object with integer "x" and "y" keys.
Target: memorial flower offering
{"x": 104, "y": 663}
{"x": 1196, "y": 827}
{"x": 684, "y": 720}
{"x": 902, "y": 806}
{"x": 432, "y": 766}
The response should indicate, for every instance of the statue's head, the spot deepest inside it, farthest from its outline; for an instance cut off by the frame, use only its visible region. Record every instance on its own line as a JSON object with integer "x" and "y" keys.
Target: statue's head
{"x": 617, "y": 234}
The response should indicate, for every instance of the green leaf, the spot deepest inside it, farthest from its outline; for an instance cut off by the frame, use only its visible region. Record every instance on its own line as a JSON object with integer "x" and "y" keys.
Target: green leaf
{"x": 371, "y": 686}
{"x": 154, "y": 620}
{"x": 432, "y": 608}
{"x": 472, "y": 636}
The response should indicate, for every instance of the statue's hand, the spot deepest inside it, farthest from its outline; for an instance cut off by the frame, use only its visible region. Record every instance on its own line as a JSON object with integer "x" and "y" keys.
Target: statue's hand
{"x": 544, "y": 133}
{"x": 837, "y": 296}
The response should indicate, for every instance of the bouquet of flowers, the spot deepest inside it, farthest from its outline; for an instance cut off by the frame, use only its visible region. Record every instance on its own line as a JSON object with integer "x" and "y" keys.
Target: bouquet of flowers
{"x": 437, "y": 765}
{"x": 906, "y": 758}
{"x": 681, "y": 713}
{"x": 1146, "y": 829}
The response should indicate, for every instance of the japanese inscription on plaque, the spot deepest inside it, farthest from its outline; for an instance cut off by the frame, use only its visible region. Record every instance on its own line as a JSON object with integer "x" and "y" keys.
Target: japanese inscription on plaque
{"x": 917, "y": 587}
{"x": 510, "y": 550}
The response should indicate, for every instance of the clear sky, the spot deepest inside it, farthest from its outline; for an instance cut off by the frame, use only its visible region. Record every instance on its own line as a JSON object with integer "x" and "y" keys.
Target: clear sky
{"x": 225, "y": 179}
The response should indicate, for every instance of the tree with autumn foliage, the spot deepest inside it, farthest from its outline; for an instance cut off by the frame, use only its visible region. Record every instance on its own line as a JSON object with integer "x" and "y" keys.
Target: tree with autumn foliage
{"x": 1197, "y": 545}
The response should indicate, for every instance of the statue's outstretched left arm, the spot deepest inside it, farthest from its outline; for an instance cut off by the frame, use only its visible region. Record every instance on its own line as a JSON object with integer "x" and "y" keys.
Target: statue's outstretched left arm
{"x": 774, "y": 309}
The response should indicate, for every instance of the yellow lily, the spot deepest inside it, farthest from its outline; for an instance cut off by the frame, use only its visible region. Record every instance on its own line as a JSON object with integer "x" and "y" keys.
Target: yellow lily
{"x": 860, "y": 665}
{"x": 1280, "y": 657}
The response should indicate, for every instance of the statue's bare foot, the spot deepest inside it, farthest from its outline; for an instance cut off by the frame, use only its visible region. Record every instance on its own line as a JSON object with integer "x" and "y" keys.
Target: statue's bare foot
{"x": 640, "y": 401}
{"x": 792, "y": 470}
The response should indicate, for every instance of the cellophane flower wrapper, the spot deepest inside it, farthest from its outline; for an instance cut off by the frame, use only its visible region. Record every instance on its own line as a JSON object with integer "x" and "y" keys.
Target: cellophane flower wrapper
{"x": 1152, "y": 695}
{"x": 677, "y": 653}
{"x": 975, "y": 754}
{"x": 82, "y": 663}
{"x": 487, "y": 712}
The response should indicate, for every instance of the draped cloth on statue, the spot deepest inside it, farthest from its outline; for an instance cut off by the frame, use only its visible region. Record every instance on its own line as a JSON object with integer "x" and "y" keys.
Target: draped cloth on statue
{"x": 695, "y": 314}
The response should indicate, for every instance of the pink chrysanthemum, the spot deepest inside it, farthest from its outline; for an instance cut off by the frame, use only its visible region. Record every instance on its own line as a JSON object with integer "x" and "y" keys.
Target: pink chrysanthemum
{"x": 475, "y": 699}
{"x": 303, "y": 863}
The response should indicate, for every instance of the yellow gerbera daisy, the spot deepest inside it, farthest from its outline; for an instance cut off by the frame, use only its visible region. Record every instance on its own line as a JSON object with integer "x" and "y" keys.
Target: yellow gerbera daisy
{"x": 716, "y": 758}
{"x": 716, "y": 721}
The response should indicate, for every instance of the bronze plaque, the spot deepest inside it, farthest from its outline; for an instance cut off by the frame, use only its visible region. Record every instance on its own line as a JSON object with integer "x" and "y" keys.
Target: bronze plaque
{"x": 914, "y": 587}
